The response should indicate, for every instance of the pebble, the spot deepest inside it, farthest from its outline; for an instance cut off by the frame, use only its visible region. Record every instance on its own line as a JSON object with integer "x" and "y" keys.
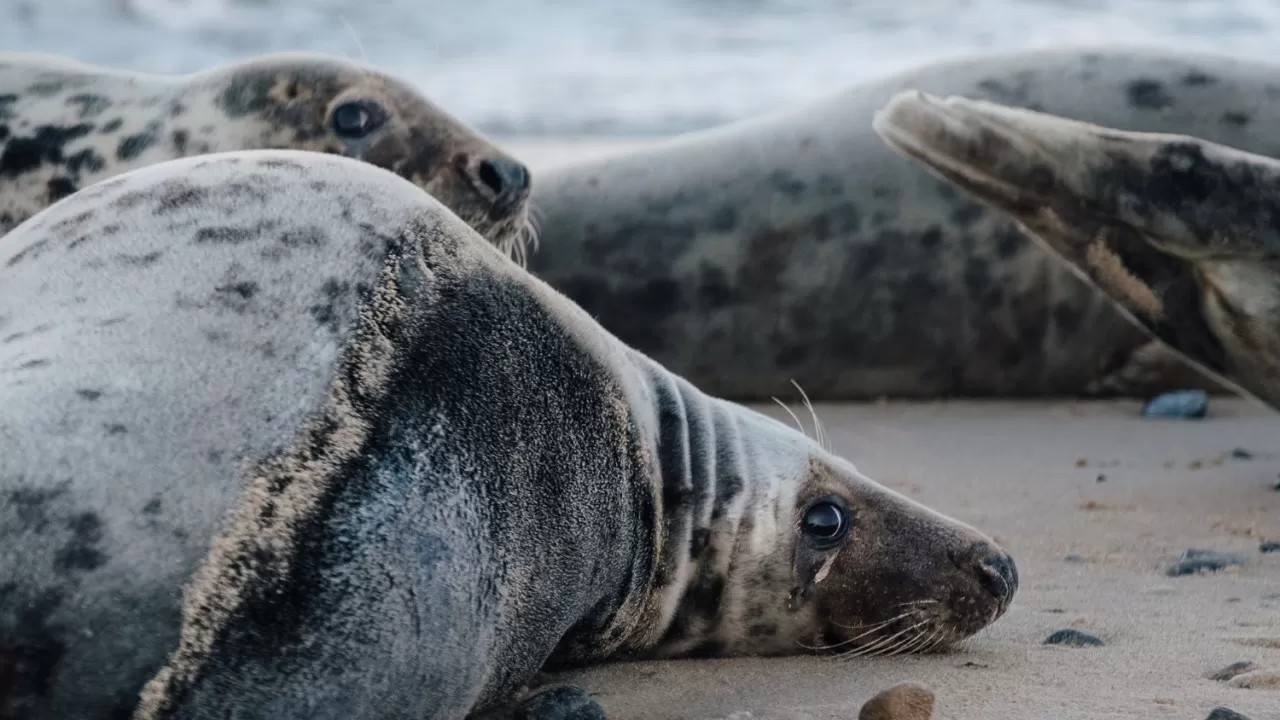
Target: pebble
{"x": 1268, "y": 679}
{"x": 1074, "y": 638}
{"x": 1073, "y": 558}
{"x": 1221, "y": 713}
{"x": 1101, "y": 478}
{"x": 1183, "y": 404}
{"x": 1277, "y": 485}
{"x": 1270, "y": 546}
{"x": 904, "y": 701}
{"x": 1241, "y": 454}
{"x": 1230, "y": 671}
{"x": 1195, "y": 561}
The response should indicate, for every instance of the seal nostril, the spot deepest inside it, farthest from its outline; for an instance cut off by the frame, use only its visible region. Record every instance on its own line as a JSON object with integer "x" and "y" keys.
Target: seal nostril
{"x": 999, "y": 575}
{"x": 506, "y": 178}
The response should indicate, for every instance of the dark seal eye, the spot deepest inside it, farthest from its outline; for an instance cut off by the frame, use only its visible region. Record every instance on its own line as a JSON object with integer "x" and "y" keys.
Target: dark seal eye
{"x": 355, "y": 119}
{"x": 825, "y": 522}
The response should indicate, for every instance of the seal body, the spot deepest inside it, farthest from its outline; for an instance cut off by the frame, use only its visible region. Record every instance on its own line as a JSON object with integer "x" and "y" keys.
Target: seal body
{"x": 285, "y": 438}
{"x": 1179, "y": 232}
{"x": 66, "y": 124}
{"x": 798, "y": 246}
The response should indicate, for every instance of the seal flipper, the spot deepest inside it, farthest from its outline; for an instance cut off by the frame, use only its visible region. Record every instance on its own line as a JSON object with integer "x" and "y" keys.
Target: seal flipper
{"x": 1183, "y": 235}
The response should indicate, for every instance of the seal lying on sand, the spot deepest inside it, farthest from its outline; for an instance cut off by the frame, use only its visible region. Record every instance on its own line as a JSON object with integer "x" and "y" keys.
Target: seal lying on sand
{"x": 1183, "y": 234}
{"x": 66, "y": 124}
{"x": 798, "y": 246}
{"x": 396, "y": 474}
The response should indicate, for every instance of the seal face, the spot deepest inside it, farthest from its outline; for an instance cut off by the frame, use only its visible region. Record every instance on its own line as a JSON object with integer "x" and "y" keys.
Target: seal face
{"x": 1180, "y": 232}
{"x": 64, "y": 125}
{"x": 316, "y": 445}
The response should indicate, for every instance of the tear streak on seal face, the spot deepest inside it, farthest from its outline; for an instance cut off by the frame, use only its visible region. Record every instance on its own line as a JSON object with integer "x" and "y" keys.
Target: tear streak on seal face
{"x": 392, "y": 473}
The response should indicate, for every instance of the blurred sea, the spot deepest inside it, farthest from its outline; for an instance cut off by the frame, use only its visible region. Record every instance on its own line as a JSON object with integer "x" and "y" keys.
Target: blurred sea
{"x": 610, "y": 68}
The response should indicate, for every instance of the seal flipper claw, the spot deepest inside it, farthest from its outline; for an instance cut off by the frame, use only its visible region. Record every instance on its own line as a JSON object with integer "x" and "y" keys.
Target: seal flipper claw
{"x": 559, "y": 702}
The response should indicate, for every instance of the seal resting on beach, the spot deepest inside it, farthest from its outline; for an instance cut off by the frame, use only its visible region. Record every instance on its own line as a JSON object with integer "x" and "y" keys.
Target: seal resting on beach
{"x": 1181, "y": 233}
{"x": 66, "y": 124}
{"x": 285, "y": 438}
{"x": 796, "y": 245}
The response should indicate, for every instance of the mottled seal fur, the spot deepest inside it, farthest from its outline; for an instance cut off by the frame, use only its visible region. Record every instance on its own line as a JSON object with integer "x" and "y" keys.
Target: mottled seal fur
{"x": 394, "y": 472}
{"x": 797, "y": 245}
{"x": 1183, "y": 234}
{"x": 66, "y": 124}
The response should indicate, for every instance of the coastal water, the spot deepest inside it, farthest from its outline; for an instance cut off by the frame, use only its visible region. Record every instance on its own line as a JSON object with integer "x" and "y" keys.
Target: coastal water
{"x": 578, "y": 67}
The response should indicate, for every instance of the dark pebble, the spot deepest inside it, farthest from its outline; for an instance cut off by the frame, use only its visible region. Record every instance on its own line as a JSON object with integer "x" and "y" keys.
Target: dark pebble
{"x": 1184, "y": 404}
{"x": 1269, "y": 546}
{"x": 1196, "y": 561}
{"x": 1101, "y": 478}
{"x": 1073, "y": 558}
{"x": 1074, "y": 638}
{"x": 1230, "y": 671}
{"x": 1277, "y": 485}
{"x": 1241, "y": 454}
{"x": 1221, "y": 713}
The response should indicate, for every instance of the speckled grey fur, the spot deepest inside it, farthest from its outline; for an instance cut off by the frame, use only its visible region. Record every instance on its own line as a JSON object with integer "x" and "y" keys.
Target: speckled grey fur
{"x": 798, "y": 246}
{"x": 1183, "y": 234}
{"x": 65, "y": 125}
{"x": 285, "y": 438}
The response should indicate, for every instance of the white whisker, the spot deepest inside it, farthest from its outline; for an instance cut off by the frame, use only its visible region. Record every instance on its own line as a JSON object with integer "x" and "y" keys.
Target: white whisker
{"x": 799, "y": 426}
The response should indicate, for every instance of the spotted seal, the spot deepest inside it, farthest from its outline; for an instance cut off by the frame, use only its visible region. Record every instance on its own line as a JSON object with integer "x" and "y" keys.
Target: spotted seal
{"x": 66, "y": 124}
{"x": 796, "y": 245}
{"x": 396, "y": 473}
{"x": 1183, "y": 234}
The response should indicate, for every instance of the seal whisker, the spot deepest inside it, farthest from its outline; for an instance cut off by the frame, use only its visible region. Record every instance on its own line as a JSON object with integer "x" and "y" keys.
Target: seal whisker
{"x": 873, "y": 628}
{"x": 871, "y": 650}
{"x": 799, "y": 425}
{"x": 820, "y": 433}
{"x": 363, "y": 55}
{"x": 874, "y": 625}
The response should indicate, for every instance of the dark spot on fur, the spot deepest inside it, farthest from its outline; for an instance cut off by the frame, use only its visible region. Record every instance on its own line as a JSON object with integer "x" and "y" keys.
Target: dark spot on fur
{"x": 85, "y": 160}
{"x": 37, "y": 363}
{"x": 24, "y": 154}
{"x": 1196, "y": 78}
{"x": 224, "y": 234}
{"x": 787, "y": 184}
{"x": 967, "y": 213}
{"x": 59, "y": 187}
{"x": 140, "y": 260}
{"x": 89, "y": 394}
{"x": 1008, "y": 243}
{"x": 177, "y": 109}
{"x": 6, "y": 106}
{"x": 152, "y": 507}
{"x": 725, "y": 219}
{"x": 1148, "y": 94}
{"x": 132, "y": 146}
{"x": 1235, "y": 119}
{"x": 698, "y": 545}
{"x": 91, "y": 105}
{"x": 308, "y": 236}
{"x": 1067, "y": 318}
{"x": 34, "y": 250}
{"x": 326, "y": 313}
{"x": 45, "y": 88}
{"x": 762, "y": 630}
{"x": 930, "y": 238}
{"x": 115, "y": 429}
{"x": 81, "y": 552}
{"x": 177, "y": 194}
{"x": 244, "y": 290}
{"x": 179, "y": 139}
{"x": 283, "y": 164}
{"x": 34, "y": 648}
{"x": 112, "y": 125}
{"x": 4, "y": 132}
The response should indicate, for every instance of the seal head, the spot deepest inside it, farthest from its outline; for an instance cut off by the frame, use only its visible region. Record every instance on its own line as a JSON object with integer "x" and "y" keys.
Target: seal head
{"x": 1181, "y": 233}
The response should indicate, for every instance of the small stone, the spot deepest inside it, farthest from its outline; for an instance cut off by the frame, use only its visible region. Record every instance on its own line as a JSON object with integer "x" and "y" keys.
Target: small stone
{"x": 1270, "y": 546}
{"x": 1195, "y": 561}
{"x": 1081, "y": 462}
{"x": 1181, "y": 404}
{"x": 1221, "y": 713}
{"x": 1101, "y": 478}
{"x": 905, "y": 701}
{"x": 1241, "y": 454}
{"x": 1073, "y": 558}
{"x": 1230, "y": 671}
{"x": 1268, "y": 679}
{"x": 1074, "y": 638}
{"x": 1276, "y": 486}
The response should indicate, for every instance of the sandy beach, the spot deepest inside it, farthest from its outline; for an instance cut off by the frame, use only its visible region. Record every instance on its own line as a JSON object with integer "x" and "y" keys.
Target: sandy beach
{"x": 1095, "y": 503}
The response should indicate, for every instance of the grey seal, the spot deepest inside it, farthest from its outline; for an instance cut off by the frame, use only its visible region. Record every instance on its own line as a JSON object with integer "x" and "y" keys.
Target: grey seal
{"x": 796, "y": 245}
{"x": 66, "y": 124}
{"x": 285, "y": 438}
{"x": 1181, "y": 233}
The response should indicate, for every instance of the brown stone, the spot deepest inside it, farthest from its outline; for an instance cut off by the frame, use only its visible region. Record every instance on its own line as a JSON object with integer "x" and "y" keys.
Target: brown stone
{"x": 905, "y": 701}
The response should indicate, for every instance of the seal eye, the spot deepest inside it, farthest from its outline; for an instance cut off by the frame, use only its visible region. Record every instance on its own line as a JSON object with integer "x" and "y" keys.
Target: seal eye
{"x": 825, "y": 522}
{"x": 354, "y": 119}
